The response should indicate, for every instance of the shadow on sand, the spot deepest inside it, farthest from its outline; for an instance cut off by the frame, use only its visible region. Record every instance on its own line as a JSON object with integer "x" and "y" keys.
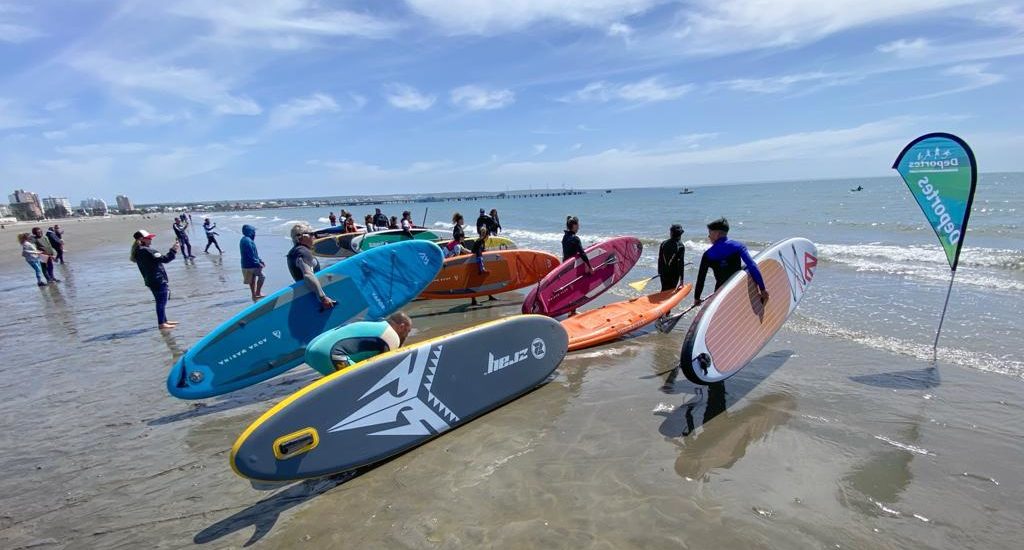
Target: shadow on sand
{"x": 240, "y": 398}
{"x": 902, "y": 380}
{"x": 466, "y": 307}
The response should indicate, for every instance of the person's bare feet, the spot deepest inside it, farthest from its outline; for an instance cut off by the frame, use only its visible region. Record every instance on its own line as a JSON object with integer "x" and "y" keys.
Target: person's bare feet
{"x": 171, "y": 322}
{"x": 167, "y": 326}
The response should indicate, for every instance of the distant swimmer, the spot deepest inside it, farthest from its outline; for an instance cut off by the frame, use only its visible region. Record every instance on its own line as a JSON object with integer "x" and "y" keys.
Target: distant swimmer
{"x": 252, "y": 265}
{"x": 151, "y": 264}
{"x": 724, "y": 258}
{"x": 362, "y": 340}
{"x": 211, "y": 236}
{"x": 670, "y": 258}
{"x": 303, "y": 265}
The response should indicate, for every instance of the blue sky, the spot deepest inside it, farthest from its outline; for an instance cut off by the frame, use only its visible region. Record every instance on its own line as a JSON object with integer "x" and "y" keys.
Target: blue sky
{"x": 201, "y": 100}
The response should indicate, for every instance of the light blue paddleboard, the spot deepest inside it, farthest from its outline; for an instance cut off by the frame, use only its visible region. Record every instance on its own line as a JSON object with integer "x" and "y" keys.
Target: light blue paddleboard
{"x": 270, "y": 337}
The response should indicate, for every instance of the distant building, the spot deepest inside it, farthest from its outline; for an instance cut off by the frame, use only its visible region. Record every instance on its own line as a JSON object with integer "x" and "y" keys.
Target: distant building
{"x": 124, "y": 204}
{"x": 57, "y": 207}
{"x": 25, "y": 205}
{"x": 94, "y": 207}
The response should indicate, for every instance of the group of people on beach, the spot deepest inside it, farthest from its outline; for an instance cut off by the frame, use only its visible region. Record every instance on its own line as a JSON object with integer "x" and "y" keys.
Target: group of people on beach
{"x": 42, "y": 250}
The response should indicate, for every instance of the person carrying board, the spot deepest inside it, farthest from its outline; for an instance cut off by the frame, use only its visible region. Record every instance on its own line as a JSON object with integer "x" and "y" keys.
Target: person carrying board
{"x": 724, "y": 259}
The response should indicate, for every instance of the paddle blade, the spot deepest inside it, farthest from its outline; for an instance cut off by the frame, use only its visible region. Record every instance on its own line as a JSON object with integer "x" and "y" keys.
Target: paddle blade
{"x": 640, "y": 285}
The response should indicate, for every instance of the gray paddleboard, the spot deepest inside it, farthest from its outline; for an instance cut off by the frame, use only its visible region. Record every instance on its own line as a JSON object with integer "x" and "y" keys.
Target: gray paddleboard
{"x": 398, "y": 400}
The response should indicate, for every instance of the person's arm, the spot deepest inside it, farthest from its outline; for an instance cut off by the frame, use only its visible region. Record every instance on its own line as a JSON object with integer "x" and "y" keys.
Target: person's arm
{"x": 754, "y": 272}
{"x": 581, "y": 252}
{"x": 312, "y": 282}
{"x": 662, "y": 262}
{"x": 167, "y": 258}
{"x": 680, "y": 260}
{"x": 702, "y": 274}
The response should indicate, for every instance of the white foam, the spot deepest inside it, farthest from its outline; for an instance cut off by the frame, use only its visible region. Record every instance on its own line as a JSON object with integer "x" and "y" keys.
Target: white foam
{"x": 905, "y": 446}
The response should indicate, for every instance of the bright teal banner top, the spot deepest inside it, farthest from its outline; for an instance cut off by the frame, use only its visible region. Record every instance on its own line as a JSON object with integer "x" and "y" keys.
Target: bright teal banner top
{"x": 941, "y": 173}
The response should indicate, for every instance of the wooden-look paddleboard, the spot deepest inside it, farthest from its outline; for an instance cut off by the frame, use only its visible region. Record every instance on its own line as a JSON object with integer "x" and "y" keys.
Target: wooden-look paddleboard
{"x": 507, "y": 270}
{"x": 733, "y": 326}
{"x": 399, "y": 399}
{"x": 569, "y": 286}
{"x": 613, "y": 321}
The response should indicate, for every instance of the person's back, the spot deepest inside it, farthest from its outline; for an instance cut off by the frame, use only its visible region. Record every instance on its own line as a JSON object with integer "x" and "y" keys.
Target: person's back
{"x": 671, "y": 255}
{"x": 247, "y": 248}
{"x": 380, "y": 219}
{"x": 724, "y": 258}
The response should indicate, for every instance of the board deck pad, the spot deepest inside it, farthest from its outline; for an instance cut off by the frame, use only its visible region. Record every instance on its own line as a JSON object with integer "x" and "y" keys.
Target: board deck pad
{"x": 733, "y": 326}
{"x": 398, "y": 400}
{"x": 508, "y": 270}
{"x": 569, "y": 286}
{"x": 269, "y": 337}
{"x": 613, "y": 321}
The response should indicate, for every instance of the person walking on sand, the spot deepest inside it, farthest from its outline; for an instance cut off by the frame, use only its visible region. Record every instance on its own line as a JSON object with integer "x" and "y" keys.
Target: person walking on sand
{"x": 252, "y": 265}
{"x": 151, "y": 265}
{"x": 670, "y": 258}
{"x": 211, "y": 236}
{"x": 32, "y": 256}
{"x": 724, "y": 259}
{"x": 333, "y": 219}
{"x": 44, "y": 246}
{"x": 303, "y": 265}
{"x": 56, "y": 238}
{"x": 180, "y": 227}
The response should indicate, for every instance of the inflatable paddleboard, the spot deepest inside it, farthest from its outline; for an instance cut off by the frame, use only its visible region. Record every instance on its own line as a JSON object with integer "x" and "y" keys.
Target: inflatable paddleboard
{"x": 493, "y": 243}
{"x": 569, "y": 286}
{"x": 369, "y": 241}
{"x": 508, "y": 270}
{"x": 270, "y": 336}
{"x": 733, "y": 326}
{"x": 334, "y": 230}
{"x": 613, "y": 321}
{"x": 399, "y": 399}
{"x": 335, "y": 246}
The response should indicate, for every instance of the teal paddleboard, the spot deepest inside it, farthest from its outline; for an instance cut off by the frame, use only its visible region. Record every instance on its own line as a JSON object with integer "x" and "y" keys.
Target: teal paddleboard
{"x": 369, "y": 241}
{"x": 270, "y": 337}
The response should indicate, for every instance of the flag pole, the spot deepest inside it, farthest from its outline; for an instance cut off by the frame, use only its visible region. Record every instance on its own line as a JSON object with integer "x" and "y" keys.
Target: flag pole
{"x": 935, "y": 346}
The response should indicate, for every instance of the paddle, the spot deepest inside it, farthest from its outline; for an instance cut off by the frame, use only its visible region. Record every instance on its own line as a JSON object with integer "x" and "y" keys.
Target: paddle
{"x": 641, "y": 285}
{"x": 666, "y": 324}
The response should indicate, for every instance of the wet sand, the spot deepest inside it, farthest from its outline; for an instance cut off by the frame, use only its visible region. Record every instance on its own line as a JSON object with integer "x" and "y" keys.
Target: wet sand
{"x": 819, "y": 443}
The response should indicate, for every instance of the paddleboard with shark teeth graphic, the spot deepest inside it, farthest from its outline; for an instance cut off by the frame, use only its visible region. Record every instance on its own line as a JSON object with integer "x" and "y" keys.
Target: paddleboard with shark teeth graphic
{"x": 399, "y": 399}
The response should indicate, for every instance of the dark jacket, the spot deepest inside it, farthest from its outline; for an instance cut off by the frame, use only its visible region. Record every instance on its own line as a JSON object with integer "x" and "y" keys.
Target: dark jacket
{"x": 151, "y": 265}
{"x": 572, "y": 246}
{"x": 485, "y": 221}
{"x": 55, "y": 239}
{"x": 380, "y": 220}
{"x": 301, "y": 253}
{"x": 670, "y": 257}
{"x": 247, "y": 246}
{"x": 458, "y": 232}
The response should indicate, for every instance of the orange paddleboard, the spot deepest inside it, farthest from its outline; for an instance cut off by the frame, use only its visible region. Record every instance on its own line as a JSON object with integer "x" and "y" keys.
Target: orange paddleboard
{"x": 612, "y": 321}
{"x": 508, "y": 270}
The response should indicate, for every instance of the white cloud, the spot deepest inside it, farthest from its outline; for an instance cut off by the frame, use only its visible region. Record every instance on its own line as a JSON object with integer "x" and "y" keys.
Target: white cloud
{"x": 281, "y": 24}
{"x": 184, "y": 162}
{"x": 55, "y": 134}
{"x": 725, "y": 26}
{"x": 147, "y": 115}
{"x": 13, "y": 116}
{"x": 191, "y": 84}
{"x": 496, "y": 16}
{"x": 105, "y": 149}
{"x": 576, "y": 147}
{"x": 361, "y": 171}
{"x": 290, "y": 113}
{"x": 477, "y": 98}
{"x": 649, "y": 90}
{"x": 406, "y": 97}
{"x": 906, "y": 48}
{"x": 620, "y": 29}
{"x": 16, "y": 32}
{"x": 971, "y": 75}
{"x": 784, "y": 83}
{"x": 539, "y": 148}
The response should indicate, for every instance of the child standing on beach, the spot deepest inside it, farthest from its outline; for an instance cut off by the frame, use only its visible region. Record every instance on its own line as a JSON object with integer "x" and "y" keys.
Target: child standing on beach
{"x": 32, "y": 255}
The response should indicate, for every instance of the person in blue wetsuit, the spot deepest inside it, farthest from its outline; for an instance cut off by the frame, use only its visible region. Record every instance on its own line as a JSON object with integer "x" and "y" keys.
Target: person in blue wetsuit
{"x": 357, "y": 342}
{"x": 724, "y": 259}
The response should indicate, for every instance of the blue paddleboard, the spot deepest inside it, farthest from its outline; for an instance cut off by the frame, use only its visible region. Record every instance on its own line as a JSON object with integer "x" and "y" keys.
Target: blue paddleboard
{"x": 270, "y": 337}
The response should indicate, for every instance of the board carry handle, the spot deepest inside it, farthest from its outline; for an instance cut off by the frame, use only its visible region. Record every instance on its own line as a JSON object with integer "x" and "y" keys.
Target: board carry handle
{"x": 296, "y": 443}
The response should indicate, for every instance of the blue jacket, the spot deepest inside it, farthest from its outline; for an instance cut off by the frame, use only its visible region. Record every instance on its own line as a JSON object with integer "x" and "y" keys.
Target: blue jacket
{"x": 247, "y": 246}
{"x": 724, "y": 259}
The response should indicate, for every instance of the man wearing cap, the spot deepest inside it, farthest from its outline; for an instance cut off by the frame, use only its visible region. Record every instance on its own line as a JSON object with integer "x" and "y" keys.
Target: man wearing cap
{"x": 151, "y": 265}
{"x": 670, "y": 258}
{"x": 724, "y": 258}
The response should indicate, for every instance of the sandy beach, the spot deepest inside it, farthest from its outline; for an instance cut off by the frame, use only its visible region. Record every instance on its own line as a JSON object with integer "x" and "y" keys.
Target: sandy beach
{"x": 821, "y": 442}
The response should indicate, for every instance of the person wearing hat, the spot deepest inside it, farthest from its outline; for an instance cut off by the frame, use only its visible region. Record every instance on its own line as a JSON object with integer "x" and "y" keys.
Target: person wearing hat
{"x": 670, "y": 258}
{"x": 151, "y": 265}
{"x": 724, "y": 259}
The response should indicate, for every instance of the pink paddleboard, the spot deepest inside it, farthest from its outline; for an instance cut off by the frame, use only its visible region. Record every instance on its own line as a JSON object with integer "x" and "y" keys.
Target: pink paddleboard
{"x": 569, "y": 286}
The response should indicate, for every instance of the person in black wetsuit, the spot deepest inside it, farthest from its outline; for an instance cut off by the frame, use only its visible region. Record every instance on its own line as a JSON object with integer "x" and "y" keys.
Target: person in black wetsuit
{"x": 571, "y": 244}
{"x": 495, "y": 226}
{"x": 380, "y": 219}
{"x": 303, "y": 266}
{"x": 670, "y": 258}
{"x": 724, "y": 259}
{"x": 483, "y": 220}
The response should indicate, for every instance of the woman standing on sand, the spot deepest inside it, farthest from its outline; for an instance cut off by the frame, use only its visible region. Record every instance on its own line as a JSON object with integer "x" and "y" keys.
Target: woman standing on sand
{"x": 32, "y": 255}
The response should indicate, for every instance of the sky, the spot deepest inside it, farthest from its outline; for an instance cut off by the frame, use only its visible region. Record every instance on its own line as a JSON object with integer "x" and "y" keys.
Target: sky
{"x": 191, "y": 100}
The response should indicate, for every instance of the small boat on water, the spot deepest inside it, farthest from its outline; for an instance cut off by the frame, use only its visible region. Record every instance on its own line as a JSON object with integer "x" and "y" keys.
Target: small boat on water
{"x": 858, "y": 188}
{"x": 686, "y": 191}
